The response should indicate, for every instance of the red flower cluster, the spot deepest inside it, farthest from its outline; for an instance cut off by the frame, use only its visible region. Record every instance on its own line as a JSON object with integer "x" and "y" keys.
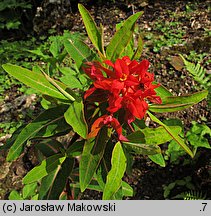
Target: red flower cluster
{"x": 125, "y": 85}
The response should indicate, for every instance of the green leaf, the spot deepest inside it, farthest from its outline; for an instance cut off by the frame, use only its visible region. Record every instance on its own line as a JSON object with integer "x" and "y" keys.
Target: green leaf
{"x": 11, "y": 140}
{"x": 55, "y": 129}
{"x": 45, "y": 119}
{"x": 162, "y": 91}
{"x": 78, "y": 50}
{"x": 153, "y": 136}
{"x": 74, "y": 116}
{"x": 193, "y": 98}
{"x": 47, "y": 166}
{"x": 118, "y": 195}
{"x": 139, "y": 49}
{"x": 35, "y": 80}
{"x": 114, "y": 177}
{"x": 158, "y": 159}
{"x": 174, "y": 135}
{"x": 60, "y": 88}
{"x": 92, "y": 154}
{"x": 29, "y": 190}
{"x": 198, "y": 141}
{"x": 71, "y": 81}
{"x": 127, "y": 190}
{"x": 55, "y": 46}
{"x": 46, "y": 183}
{"x": 140, "y": 148}
{"x": 122, "y": 37}
{"x": 60, "y": 179}
{"x": 105, "y": 165}
{"x": 174, "y": 151}
{"x": 14, "y": 195}
{"x": 91, "y": 28}
{"x": 35, "y": 197}
{"x": 198, "y": 72}
{"x": 92, "y": 186}
{"x": 176, "y": 103}
{"x": 124, "y": 190}
{"x": 129, "y": 49}
{"x": 75, "y": 149}
{"x": 49, "y": 147}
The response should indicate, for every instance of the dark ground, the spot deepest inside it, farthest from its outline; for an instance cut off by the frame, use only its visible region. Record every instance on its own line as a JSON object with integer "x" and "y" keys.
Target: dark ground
{"x": 147, "y": 178}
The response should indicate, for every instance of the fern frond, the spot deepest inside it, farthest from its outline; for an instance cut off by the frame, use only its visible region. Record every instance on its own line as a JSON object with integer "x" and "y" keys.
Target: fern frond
{"x": 194, "y": 195}
{"x": 198, "y": 73}
{"x": 191, "y": 195}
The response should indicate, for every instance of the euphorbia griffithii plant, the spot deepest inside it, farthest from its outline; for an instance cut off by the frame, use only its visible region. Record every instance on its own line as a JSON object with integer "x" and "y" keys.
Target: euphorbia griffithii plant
{"x": 104, "y": 109}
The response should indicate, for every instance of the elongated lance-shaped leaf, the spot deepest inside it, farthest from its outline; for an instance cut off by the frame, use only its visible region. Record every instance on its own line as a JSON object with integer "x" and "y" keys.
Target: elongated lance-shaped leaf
{"x": 162, "y": 91}
{"x": 105, "y": 164}
{"x": 91, "y": 28}
{"x": 48, "y": 117}
{"x": 127, "y": 190}
{"x": 190, "y": 98}
{"x": 176, "y": 103}
{"x": 66, "y": 94}
{"x": 114, "y": 177}
{"x": 139, "y": 49}
{"x": 46, "y": 183}
{"x": 122, "y": 37}
{"x": 92, "y": 154}
{"x": 90, "y": 186}
{"x": 46, "y": 167}
{"x": 78, "y": 50}
{"x": 60, "y": 179}
{"x": 144, "y": 149}
{"x": 153, "y": 136}
{"x": 74, "y": 116}
{"x": 75, "y": 149}
{"x": 49, "y": 147}
{"x": 174, "y": 135}
{"x": 36, "y": 80}
{"x": 103, "y": 54}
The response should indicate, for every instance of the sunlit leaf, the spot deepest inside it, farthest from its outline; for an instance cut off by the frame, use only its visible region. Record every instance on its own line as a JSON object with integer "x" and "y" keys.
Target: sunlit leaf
{"x": 127, "y": 190}
{"x": 74, "y": 116}
{"x": 78, "y": 50}
{"x": 153, "y": 136}
{"x": 163, "y": 92}
{"x": 92, "y": 154}
{"x": 14, "y": 195}
{"x": 91, "y": 28}
{"x": 35, "y": 80}
{"x": 122, "y": 37}
{"x": 172, "y": 133}
{"x": 176, "y": 103}
{"x": 114, "y": 177}
{"x": 158, "y": 159}
{"x": 29, "y": 190}
{"x": 140, "y": 148}
{"x": 46, "y": 167}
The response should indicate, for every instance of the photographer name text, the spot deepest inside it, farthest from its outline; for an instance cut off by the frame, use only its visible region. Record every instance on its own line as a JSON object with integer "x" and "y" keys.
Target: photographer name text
{"x": 47, "y": 207}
